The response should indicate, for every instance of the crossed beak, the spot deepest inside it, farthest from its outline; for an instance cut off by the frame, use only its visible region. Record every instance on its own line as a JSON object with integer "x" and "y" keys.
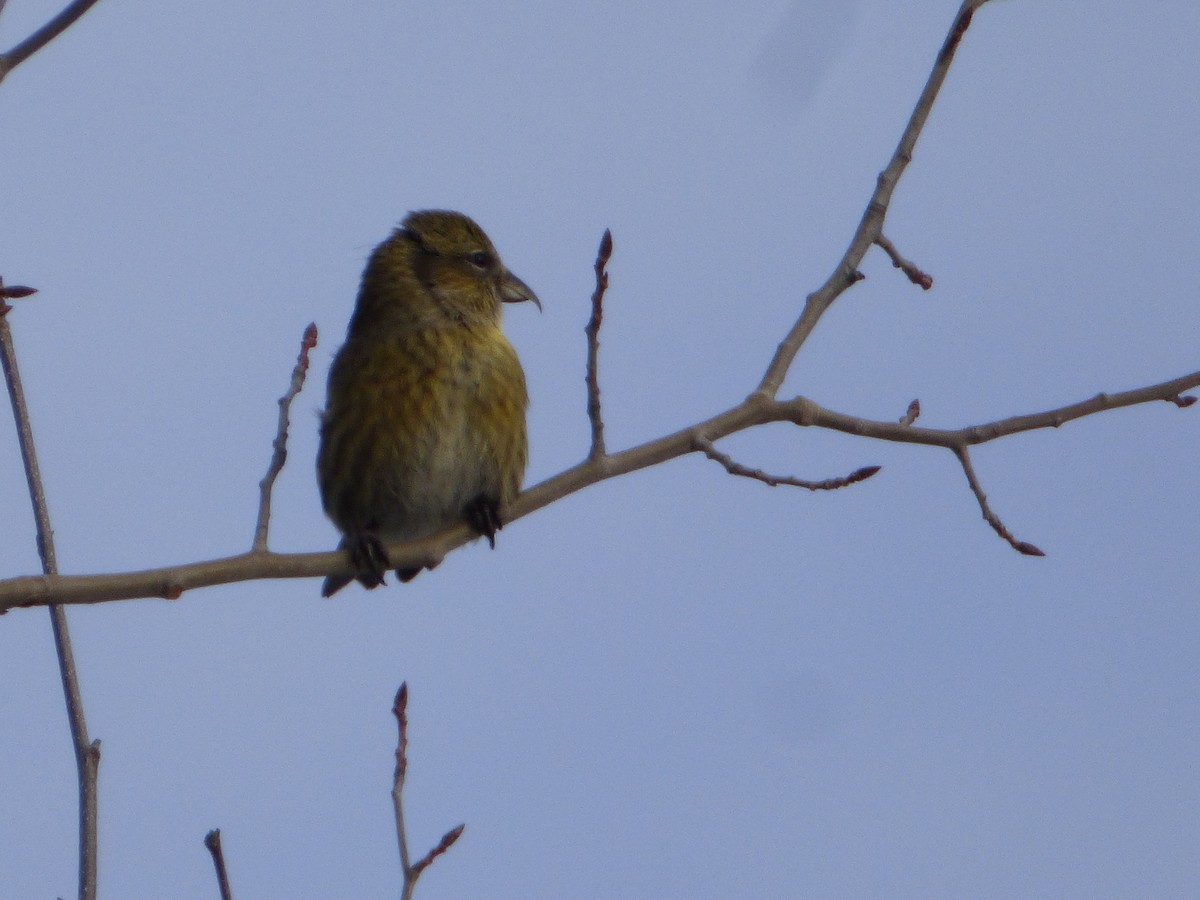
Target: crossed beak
{"x": 514, "y": 290}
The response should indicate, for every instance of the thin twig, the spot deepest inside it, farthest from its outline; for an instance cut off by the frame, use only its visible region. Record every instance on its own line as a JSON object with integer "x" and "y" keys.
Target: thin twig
{"x": 443, "y": 845}
{"x": 279, "y": 456}
{"x": 400, "y": 711}
{"x": 733, "y": 467}
{"x": 171, "y": 581}
{"x": 43, "y": 36}
{"x": 1028, "y": 549}
{"x": 593, "y": 346}
{"x": 909, "y": 268}
{"x": 212, "y": 841}
{"x": 870, "y": 227}
{"x": 87, "y": 752}
{"x": 411, "y": 871}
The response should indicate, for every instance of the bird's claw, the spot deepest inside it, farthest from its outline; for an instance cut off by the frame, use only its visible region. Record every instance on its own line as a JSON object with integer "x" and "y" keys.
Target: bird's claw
{"x": 370, "y": 559}
{"x": 483, "y": 514}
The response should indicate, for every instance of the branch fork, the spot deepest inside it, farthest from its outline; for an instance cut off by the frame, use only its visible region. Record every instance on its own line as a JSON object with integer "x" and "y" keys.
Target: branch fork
{"x": 760, "y": 407}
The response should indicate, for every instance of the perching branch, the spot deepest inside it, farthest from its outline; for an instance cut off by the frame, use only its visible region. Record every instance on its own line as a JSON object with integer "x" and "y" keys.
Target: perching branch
{"x": 760, "y": 408}
{"x": 87, "y": 752}
{"x": 170, "y": 582}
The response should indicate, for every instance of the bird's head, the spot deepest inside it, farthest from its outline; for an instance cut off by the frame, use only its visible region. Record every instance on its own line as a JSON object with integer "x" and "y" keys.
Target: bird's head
{"x": 437, "y": 267}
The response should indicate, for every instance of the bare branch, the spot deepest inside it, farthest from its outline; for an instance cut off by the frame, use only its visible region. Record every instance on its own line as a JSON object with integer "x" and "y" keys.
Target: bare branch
{"x": 279, "y": 457}
{"x": 915, "y": 275}
{"x": 593, "y": 346}
{"x": 759, "y": 408}
{"x": 16, "y": 394}
{"x": 400, "y": 711}
{"x": 212, "y": 841}
{"x": 87, "y": 752}
{"x": 43, "y": 36}
{"x": 443, "y": 845}
{"x": 870, "y": 227}
{"x": 1028, "y": 549}
{"x": 411, "y": 871}
{"x": 170, "y": 582}
{"x": 706, "y": 447}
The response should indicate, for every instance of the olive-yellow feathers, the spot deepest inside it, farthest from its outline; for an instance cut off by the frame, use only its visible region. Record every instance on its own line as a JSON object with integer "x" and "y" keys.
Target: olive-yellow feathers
{"x": 424, "y": 424}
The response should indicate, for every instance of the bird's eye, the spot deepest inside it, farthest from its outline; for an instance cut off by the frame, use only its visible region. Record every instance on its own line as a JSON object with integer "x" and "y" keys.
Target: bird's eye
{"x": 481, "y": 259}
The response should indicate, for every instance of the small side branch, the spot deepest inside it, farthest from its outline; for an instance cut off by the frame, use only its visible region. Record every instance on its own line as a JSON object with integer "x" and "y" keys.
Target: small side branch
{"x": 870, "y": 226}
{"x": 279, "y": 456}
{"x": 964, "y": 458}
{"x": 212, "y": 841}
{"x": 593, "y": 346}
{"x": 43, "y": 36}
{"x": 412, "y": 871}
{"x": 912, "y": 413}
{"x": 909, "y": 268}
{"x": 400, "y": 711}
{"x": 443, "y": 845}
{"x": 705, "y": 446}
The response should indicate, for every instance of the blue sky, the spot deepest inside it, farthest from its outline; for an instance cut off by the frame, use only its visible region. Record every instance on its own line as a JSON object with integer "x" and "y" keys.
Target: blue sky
{"x": 676, "y": 684}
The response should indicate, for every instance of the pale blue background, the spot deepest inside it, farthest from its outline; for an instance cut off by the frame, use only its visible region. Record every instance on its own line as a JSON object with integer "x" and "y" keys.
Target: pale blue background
{"x": 677, "y": 684}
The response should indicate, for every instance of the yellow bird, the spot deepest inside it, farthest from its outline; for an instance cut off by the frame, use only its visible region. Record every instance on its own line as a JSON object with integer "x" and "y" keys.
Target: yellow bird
{"x": 424, "y": 423}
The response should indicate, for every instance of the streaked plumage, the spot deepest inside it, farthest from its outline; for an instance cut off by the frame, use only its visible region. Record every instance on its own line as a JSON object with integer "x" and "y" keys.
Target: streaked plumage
{"x": 425, "y": 419}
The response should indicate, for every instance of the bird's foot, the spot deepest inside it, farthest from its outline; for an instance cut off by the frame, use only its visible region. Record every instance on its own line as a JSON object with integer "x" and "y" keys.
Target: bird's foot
{"x": 483, "y": 514}
{"x": 369, "y": 558}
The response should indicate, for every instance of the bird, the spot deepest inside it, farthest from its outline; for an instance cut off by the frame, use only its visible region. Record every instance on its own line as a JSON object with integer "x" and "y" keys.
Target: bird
{"x": 424, "y": 423}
